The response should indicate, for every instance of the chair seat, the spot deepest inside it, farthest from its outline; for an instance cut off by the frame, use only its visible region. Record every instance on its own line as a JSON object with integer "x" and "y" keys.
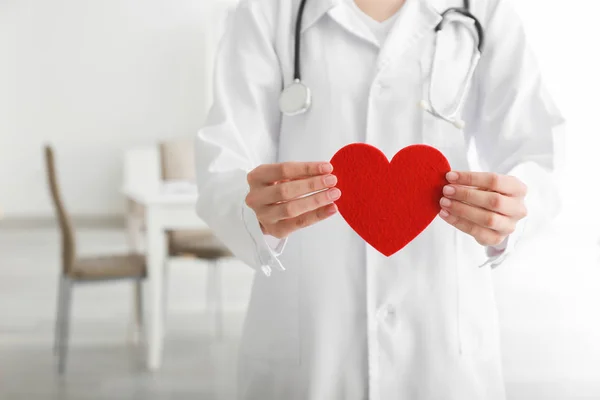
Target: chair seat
{"x": 109, "y": 267}
{"x": 199, "y": 244}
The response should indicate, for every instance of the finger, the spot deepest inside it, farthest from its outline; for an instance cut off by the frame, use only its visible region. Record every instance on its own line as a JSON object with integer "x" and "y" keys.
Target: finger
{"x": 493, "y": 201}
{"x": 295, "y": 208}
{"x": 285, "y": 227}
{"x": 293, "y": 189}
{"x": 479, "y": 216}
{"x": 508, "y": 185}
{"x": 269, "y": 173}
{"x": 484, "y": 236}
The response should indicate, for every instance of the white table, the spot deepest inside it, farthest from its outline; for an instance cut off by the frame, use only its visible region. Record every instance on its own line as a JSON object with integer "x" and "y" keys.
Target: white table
{"x": 163, "y": 211}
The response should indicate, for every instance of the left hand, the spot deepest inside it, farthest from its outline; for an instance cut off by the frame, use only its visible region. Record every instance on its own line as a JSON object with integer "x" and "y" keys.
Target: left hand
{"x": 484, "y": 205}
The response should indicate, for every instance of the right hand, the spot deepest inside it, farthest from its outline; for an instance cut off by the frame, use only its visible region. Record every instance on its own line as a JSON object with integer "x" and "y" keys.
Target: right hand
{"x": 278, "y": 195}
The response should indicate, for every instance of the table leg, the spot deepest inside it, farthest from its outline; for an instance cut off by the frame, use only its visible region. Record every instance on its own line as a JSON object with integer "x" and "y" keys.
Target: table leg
{"x": 134, "y": 220}
{"x": 156, "y": 253}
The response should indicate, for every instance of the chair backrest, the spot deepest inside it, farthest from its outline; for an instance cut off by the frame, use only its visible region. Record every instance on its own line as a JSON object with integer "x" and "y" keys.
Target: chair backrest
{"x": 177, "y": 160}
{"x": 177, "y": 163}
{"x": 66, "y": 227}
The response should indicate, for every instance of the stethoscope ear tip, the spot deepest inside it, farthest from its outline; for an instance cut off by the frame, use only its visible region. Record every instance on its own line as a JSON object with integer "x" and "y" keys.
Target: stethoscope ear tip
{"x": 459, "y": 124}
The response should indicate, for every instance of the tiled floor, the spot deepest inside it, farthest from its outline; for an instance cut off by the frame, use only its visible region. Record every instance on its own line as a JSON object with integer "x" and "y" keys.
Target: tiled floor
{"x": 548, "y": 297}
{"x": 103, "y": 362}
{"x": 194, "y": 368}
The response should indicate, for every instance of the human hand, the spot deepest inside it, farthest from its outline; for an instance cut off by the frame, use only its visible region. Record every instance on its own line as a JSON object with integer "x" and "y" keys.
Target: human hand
{"x": 484, "y": 205}
{"x": 292, "y": 195}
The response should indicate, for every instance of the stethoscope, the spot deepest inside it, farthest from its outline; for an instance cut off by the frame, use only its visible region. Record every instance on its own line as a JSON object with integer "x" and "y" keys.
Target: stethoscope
{"x": 296, "y": 98}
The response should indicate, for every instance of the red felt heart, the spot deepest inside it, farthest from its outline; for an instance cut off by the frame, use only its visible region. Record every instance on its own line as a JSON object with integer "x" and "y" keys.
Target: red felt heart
{"x": 389, "y": 203}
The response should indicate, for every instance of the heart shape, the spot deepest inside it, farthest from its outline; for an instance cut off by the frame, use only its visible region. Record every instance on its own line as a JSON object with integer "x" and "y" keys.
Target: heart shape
{"x": 389, "y": 203}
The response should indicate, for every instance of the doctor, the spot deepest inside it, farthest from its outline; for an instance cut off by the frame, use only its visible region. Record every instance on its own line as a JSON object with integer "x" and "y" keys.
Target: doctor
{"x": 329, "y": 317}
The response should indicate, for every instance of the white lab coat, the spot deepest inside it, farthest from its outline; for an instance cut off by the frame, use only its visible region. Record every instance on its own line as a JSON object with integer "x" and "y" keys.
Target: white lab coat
{"x": 343, "y": 322}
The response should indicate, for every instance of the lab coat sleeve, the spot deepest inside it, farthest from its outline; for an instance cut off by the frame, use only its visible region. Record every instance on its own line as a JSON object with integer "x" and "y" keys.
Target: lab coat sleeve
{"x": 514, "y": 122}
{"x": 241, "y": 133}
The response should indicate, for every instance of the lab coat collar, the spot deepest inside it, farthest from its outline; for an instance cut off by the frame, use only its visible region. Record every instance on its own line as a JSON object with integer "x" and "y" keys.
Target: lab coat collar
{"x": 418, "y": 18}
{"x": 314, "y": 10}
{"x": 347, "y": 19}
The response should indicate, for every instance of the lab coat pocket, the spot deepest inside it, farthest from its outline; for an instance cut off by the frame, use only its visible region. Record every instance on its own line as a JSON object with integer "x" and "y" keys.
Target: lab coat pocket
{"x": 476, "y": 307}
{"x": 271, "y": 330}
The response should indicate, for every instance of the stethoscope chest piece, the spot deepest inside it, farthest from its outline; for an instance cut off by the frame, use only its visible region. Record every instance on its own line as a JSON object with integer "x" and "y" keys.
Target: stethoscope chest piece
{"x": 295, "y": 99}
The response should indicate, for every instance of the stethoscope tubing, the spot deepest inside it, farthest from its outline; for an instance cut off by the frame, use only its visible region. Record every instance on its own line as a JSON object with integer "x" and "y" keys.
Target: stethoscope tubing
{"x": 298, "y": 40}
{"x": 430, "y": 107}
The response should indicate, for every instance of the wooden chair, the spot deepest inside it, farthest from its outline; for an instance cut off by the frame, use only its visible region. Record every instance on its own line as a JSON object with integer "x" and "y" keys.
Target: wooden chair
{"x": 76, "y": 270}
{"x": 177, "y": 164}
{"x": 173, "y": 162}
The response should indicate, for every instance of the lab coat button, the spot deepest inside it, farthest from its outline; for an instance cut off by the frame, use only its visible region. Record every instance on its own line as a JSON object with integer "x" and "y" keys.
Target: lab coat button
{"x": 383, "y": 63}
{"x": 390, "y": 312}
{"x": 387, "y": 313}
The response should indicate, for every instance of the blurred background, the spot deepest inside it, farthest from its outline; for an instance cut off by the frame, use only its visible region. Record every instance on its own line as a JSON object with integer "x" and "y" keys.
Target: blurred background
{"x": 118, "y": 88}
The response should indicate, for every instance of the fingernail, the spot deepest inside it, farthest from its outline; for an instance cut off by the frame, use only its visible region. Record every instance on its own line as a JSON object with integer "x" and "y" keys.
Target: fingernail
{"x": 449, "y": 191}
{"x": 332, "y": 209}
{"x": 326, "y": 168}
{"x": 330, "y": 180}
{"x": 335, "y": 194}
{"x": 444, "y": 214}
{"x": 445, "y": 202}
{"x": 452, "y": 176}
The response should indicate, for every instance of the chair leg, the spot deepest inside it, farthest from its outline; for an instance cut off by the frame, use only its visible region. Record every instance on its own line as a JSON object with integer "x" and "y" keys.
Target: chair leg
{"x": 138, "y": 305}
{"x": 214, "y": 301}
{"x": 166, "y": 275}
{"x": 63, "y": 322}
{"x": 134, "y": 224}
{"x": 59, "y": 314}
{"x": 219, "y": 300}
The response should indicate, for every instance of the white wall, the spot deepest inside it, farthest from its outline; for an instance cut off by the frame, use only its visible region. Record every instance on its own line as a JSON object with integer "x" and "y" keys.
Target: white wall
{"x": 565, "y": 39}
{"x": 549, "y": 293}
{"x": 95, "y": 78}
